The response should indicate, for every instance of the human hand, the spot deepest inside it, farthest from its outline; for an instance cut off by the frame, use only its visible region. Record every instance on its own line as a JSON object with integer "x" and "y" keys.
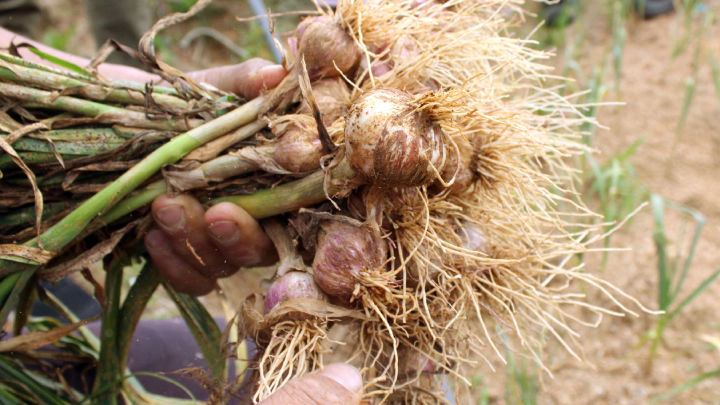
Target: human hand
{"x": 191, "y": 248}
{"x": 246, "y": 79}
{"x": 336, "y": 384}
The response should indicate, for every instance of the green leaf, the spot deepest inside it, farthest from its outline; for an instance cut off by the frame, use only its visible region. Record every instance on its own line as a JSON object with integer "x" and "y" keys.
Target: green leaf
{"x": 9, "y": 399}
{"x": 700, "y": 221}
{"x": 206, "y": 332}
{"x": 660, "y": 244}
{"x": 10, "y": 289}
{"x": 698, "y": 290}
{"x": 715, "y": 65}
{"x": 135, "y": 302}
{"x": 57, "y": 61}
{"x": 24, "y": 307}
{"x": 690, "y": 84}
{"x": 89, "y": 341}
{"x": 227, "y": 98}
{"x": 9, "y": 372}
{"x": 109, "y": 371}
{"x": 152, "y": 399}
{"x": 686, "y": 386}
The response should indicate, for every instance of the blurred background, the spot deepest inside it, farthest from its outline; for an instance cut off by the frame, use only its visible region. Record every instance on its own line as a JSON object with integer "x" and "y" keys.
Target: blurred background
{"x": 657, "y": 74}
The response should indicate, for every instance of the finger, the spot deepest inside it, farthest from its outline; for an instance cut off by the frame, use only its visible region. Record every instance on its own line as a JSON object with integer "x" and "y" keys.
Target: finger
{"x": 179, "y": 274}
{"x": 247, "y": 79}
{"x": 182, "y": 219}
{"x": 239, "y": 237}
{"x": 256, "y": 75}
{"x": 336, "y": 384}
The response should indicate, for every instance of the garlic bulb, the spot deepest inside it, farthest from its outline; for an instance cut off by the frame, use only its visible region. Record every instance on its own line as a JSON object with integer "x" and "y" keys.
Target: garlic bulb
{"x": 297, "y": 146}
{"x": 293, "y": 284}
{"x": 390, "y": 143}
{"x": 344, "y": 253}
{"x": 325, "y": 44}
{"x": 333, "y": 99}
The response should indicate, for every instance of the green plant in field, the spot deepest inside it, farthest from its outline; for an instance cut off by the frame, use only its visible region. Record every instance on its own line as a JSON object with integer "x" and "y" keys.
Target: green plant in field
{"x": 715, "y": 342}
{"x": 596, "y": 89}
{"x": 673, "y": 269}
{"x": 110, "y": 351}
{"x": 700, "y": 33}
{"x": 181, "y": 6}
{"x": 616, "y": 187}
{"x": 253, "y": 41}
{"x": 521, "y": 387}
{"x": 621, "y": 10}
{"x": 58, "y": 39}
{"x": 162, "y": 49}
{"x": 483, "y": 397}
{"x": 715, "y": 71}
{"x": 522, "y": 380}
{"x": 557, "y": 17}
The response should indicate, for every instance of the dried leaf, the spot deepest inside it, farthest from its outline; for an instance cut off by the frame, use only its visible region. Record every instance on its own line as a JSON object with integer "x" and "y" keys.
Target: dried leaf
{"x": 8, "y": 124}
{"x": 332, "y": 217}
{"x": 167, "y": 72}
{"x": 31, "y": 176}
{"x": 93, "y": 255}
{"x": 192, "y": 250}
{"x": 316, "y": 308}
{"x": 290, "y": 259}
{"x": 34, "y": 340}
{"x": 306, "y": 89}
{"x": 108, "y": 47}
{"x": 69, "y": 180}
{"x": 54, "y": 149}
{"x": 262, "y": 159}
{"x": 87, "y": 188}
{"x": 99, "y": 289}
{"x": 182, "y": 181}
{"x": 38, "y": 255}
{"x": 213, "y": 148}
{"x": 108, "y": 166}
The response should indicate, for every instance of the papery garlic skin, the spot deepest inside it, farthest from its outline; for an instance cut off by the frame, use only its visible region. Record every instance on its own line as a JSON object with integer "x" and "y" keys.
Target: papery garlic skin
{"x": 325, "y": 44}
{"x": 461, "y": 167}
{"x": 401, "y": 51}
{"x": 344, "y": 253}
{"x": 298, "y": 147}
{"x": 474, "y": 238}
{"x": 391, "y": 144}
{"x": 333, "y": 99}
{"x": 292, "y": 285}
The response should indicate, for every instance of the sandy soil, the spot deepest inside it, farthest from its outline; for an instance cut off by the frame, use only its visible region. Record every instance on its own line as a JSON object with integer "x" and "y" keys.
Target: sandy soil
{"x": 615, "y": 370}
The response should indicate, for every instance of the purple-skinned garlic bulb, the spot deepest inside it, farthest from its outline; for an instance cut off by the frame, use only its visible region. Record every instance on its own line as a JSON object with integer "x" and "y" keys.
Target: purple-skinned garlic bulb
{"x": 292, "y": 285}
{"x": 344, "y": 253}
{"x": 324, "y": 43}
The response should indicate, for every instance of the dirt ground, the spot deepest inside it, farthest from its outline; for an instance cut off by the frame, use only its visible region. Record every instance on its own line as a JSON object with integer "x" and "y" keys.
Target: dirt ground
{"x": 615, "y": 369}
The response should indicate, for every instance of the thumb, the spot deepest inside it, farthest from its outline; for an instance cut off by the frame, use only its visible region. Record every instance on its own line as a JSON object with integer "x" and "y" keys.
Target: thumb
{"x": 336, "y": 384}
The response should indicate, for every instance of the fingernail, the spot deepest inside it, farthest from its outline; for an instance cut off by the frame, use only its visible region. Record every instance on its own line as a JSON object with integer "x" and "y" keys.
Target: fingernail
{"x": 155, "y": 239}
{"x": 270, "y": 70}
{"x": 171, "y": 218}
{"x": 344, "y": 374}
{"x": 224, "y": 231}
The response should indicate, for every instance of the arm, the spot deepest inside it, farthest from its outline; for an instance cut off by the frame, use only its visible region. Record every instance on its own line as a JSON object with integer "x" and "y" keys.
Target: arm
{"x": 106, "y": 69}
{"x": 247, "y": 79}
